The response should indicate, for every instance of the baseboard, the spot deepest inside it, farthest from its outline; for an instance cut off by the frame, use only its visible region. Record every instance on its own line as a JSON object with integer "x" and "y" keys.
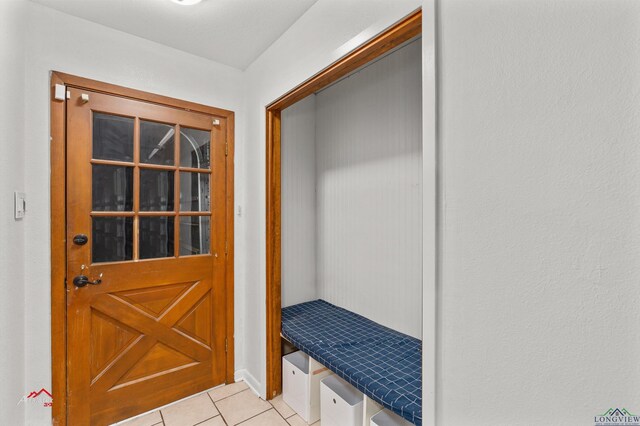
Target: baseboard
{"x": 251, "y": 381}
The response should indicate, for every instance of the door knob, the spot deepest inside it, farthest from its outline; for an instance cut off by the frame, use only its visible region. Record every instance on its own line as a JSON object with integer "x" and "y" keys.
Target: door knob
{"x": 83, "y": 280}
{"x": 80, "y": 239}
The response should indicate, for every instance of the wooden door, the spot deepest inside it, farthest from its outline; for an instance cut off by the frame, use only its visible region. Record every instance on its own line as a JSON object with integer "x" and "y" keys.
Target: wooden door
{"x": 145, "y": 255}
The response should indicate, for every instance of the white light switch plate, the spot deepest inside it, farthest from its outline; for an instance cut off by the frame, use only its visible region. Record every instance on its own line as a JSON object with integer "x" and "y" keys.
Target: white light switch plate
{"x": 20, "y": 204}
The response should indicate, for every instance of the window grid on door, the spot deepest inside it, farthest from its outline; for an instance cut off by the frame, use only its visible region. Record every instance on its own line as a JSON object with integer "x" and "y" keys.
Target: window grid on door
{"x": 182, "y": 214}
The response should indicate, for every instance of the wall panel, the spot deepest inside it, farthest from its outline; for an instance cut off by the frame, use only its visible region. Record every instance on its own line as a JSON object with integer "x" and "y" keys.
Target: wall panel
{"x": 539, "y": 126}
{"x": 369, "y": 199}
{"x": 12, "y": 231}
{"x": 299, "y": 202}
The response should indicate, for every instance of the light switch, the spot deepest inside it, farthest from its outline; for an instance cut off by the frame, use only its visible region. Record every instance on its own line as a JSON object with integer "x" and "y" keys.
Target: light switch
{"x": 20, "y": 204}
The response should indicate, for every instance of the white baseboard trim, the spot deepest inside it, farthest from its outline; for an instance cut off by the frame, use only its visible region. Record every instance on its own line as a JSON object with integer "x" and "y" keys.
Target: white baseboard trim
{"x": 251, "y": 381}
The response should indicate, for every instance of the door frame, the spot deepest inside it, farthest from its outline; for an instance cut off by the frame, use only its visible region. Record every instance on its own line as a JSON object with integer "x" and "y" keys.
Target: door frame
{"x": 58, "y": 149}
{"x": 394, "y": 36}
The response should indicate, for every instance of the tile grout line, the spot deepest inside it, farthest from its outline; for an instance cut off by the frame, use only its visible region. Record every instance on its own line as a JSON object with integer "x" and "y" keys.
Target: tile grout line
{"x": 206, "y": 420}
{"x": 277, "y": 411}
{"x": 159, "y": 409}
{"x": 271, "y": 407}
{"x": 228, "y": 396}
{"x": 214, "y": 404}
{"x": 222, "y": 399}
{"x": 254, "y": 416}
{"x": 281, "y": 416}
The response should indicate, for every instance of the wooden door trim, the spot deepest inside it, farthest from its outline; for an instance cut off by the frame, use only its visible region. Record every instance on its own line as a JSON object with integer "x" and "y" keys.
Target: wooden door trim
{"x": 125, "y": 92}
{"x": 58, "y": 222}
{"x": 392, "y": 37}
{"x": 58, "y": 255}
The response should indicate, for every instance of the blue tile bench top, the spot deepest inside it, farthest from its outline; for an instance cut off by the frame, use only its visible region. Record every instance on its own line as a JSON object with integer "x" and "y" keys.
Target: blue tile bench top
{"x": 382, "y": 363}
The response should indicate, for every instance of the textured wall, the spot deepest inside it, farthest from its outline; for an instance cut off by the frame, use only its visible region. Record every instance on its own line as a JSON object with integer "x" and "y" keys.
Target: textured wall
{"x": 369, "y": 159}
{"x": 299, "y": 222}
{"x": 539, "y": 135}
{"x": 12, "y": 255}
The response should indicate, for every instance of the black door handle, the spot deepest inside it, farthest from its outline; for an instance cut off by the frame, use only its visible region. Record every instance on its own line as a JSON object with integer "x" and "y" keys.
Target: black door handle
{"x": 80, "y": 239}
{"x": 83, "y": 280}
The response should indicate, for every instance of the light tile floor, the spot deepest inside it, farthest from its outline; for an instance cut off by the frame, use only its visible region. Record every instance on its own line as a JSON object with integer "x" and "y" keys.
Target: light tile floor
{"x": 229, "y": 405}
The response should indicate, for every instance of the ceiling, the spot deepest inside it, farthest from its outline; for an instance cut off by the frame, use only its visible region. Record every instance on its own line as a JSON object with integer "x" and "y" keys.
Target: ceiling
{"x": 232, "y": 32}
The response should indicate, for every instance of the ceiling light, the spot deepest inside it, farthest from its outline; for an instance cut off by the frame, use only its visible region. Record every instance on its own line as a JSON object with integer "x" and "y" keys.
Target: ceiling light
{"x": 186, "y": 2}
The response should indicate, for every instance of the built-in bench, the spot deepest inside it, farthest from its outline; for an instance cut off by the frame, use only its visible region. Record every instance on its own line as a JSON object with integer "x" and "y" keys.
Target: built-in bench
{"x": 382, "y": 363}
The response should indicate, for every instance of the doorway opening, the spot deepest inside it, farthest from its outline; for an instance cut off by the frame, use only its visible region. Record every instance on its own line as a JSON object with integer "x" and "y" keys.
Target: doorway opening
{"x": 392, "y": 38}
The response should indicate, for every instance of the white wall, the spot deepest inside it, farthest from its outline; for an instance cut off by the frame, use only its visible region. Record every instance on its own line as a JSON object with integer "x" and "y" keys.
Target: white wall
{"x": 538, "y": 154}
{"x": 12, "y": 302}
{"x": 328, "y": 30}
{"x": 298, "y": 198}
{"x": 369, "y": 161}
{"x": 539, "y": 136}
{"x": 64, "y": 43}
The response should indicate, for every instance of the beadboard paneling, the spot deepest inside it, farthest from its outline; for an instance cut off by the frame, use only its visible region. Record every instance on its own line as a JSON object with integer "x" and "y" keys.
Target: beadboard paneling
{"x": 351, "y": 194}
{"x": 298, "y": 203}
{"x": 369, "y": 195}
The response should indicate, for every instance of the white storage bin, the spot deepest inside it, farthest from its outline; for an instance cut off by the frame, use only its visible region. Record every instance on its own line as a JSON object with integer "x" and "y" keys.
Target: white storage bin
{"x": 301, "y": 377}
{"x": 341, "y": 403}
{"x": 370, "y": 409}
{"x": 295, "y": 380}
{"x": 387, "y": 418}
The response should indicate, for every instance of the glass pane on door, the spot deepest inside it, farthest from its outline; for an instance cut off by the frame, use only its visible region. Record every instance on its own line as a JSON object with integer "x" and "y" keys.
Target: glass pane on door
{"x": 156, "y": 237}
{"x": 194, "y": 192}
{"x": 112, "y": 137}
{"x": 194, "y": 235}
{"x": 112, "y": 239}
{"x": 112, "y": 188}
{"x": 156, "y": 190}
{"x": 157, "y": 143}
{"x": 195, "y": 148}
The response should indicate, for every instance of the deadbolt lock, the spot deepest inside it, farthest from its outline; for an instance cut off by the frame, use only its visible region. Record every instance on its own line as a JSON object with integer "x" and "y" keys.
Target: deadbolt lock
{"x": 80, "y": 239}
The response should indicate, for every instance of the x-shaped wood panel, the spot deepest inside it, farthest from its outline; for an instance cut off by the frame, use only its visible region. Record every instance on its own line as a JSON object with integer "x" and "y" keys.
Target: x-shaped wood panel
{"x": 152, "y": 330}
